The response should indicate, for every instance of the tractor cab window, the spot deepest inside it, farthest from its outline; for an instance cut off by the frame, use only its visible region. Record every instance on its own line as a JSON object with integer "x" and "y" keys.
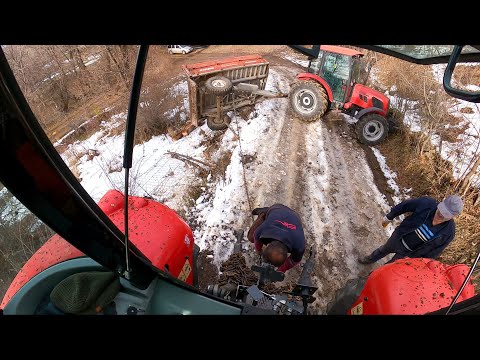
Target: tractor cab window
{"x": 336, "y": 71}
{"x": 315, "y": 64}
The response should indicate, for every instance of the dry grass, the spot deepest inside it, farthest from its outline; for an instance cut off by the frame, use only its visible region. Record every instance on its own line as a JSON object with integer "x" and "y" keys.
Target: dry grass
{"x": 401, "y": 158}
{"x": 152, "y": 119}
{"x": 467, "y": 75}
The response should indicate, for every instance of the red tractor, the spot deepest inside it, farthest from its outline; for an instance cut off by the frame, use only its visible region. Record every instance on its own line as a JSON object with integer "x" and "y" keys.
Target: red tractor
{"x": 153, "y": 259}
{"x": 333, "y": 82}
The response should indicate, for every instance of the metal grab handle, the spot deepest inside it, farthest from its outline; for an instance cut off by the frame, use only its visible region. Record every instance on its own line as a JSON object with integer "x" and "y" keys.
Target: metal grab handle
{"x": 447, "y": 79}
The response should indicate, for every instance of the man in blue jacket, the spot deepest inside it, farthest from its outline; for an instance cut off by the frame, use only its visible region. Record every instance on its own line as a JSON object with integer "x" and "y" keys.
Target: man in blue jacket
{"x": 280, "y": 228}
{"x": 423, "y": 234}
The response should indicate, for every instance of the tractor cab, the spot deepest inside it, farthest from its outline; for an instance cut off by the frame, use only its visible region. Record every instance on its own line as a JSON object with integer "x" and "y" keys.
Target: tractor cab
{"x": 340, "y": 67}
{"x": 334, "y": 81}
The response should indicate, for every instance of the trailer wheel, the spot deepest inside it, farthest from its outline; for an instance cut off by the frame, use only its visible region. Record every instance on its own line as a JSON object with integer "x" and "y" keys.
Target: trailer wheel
{"x": 215, "y": 124}
{"x": 345, "y": 297}
{"x": 308, "y": 100}
{"x": 218, "y": 85}
{"x": 371, "y": 129}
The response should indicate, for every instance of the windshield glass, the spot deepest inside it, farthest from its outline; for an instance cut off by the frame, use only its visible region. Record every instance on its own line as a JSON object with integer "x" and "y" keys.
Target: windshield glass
{"x": 224, "y": 132}
{"x": 336, "y": 70}
{"x": 427, "y": 51}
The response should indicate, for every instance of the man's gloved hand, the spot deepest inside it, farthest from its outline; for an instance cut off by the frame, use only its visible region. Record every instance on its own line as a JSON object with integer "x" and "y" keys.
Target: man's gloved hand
{"x": 385, "y": 221}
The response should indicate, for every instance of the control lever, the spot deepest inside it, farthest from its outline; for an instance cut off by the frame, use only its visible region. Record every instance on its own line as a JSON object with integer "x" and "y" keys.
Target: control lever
{"x": 267, "y": 273}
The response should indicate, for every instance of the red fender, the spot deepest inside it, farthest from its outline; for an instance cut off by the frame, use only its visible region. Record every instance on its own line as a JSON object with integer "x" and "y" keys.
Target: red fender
{"x": 412, "y": 286}
{"x": 309, "y": 76}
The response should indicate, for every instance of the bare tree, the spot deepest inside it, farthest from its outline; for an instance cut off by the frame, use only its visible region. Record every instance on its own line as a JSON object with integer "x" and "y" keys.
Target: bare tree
{"x": 120, "y": 55}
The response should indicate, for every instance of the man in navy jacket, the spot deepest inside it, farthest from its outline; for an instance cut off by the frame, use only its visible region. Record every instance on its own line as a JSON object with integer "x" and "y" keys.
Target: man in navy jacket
{"x": 280, "y": 228}
{"x": 423, "y": 234}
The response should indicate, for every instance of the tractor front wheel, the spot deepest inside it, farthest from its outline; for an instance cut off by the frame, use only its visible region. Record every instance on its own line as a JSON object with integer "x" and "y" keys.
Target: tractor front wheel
{"x": 308, "y": 100}
{"x": 371, "y": 129}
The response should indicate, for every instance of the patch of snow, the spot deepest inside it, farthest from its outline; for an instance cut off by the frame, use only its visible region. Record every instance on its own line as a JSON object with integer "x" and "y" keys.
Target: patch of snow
{"x": 295, "y": 60}
{"x": 398, "y": 197}
{"x": 92, "y": 59}
{"x": 472, "y": 87}
{"x": 59, "y": 142}
{"x": 389, "y": 175}
{"x": 349, "y": 119}
{"x": 180, "y": 88}
{"x": 13, "y": 211}
{"x": 121, "y": 115}
{"x": 438, "y": 70}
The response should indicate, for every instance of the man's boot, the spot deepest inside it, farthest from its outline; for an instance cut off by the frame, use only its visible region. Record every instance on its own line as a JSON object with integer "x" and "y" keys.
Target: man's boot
{"x": 365, "y": 260}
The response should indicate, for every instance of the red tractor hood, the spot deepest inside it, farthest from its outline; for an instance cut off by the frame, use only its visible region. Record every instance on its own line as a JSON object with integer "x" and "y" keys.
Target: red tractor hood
{"x": 412, "y": 286}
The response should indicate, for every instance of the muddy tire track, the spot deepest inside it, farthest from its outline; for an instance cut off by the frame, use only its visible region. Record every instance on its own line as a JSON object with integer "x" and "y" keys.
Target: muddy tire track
{"x": 318, "y": 170}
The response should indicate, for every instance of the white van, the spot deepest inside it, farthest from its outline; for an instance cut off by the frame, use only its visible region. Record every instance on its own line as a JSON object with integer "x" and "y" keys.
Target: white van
{"x": 179, "y": 49}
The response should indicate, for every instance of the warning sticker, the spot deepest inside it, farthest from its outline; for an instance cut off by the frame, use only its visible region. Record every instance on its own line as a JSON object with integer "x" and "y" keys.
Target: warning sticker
{"x": 358, "y": 310}
{"x": 186, "y": 270}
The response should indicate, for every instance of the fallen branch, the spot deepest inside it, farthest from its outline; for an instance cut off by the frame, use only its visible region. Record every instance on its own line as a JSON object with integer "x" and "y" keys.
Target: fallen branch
{"x": 189, "y": 160}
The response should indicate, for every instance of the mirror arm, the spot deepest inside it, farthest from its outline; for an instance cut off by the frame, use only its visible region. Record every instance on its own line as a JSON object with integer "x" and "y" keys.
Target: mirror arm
{"x": 447, "y": 79}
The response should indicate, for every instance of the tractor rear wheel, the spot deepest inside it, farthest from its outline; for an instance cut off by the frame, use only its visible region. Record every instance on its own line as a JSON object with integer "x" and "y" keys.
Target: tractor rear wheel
{"x": 308, "y": 100}
{"x": 218, "y": 85}
{"x": 345, "y": 297}
{"x": 371, "y": 129}
{"x": 215, "y": 123}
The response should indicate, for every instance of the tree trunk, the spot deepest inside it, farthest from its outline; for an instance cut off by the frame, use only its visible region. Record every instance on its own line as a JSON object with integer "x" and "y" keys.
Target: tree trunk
{"x": 59, "y": 85}
{"x": 83, "y": 73}
{"x": 119, "y": 67}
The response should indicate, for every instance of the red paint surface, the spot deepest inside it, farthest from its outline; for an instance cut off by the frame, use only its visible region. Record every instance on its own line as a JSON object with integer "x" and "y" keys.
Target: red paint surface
{"x": 340, "y": 50}
{"x": 214, "y": 66}
{"x": 155, "y": 229}
{"x": 413, "y": 286}
{"x": 369, "y": 93}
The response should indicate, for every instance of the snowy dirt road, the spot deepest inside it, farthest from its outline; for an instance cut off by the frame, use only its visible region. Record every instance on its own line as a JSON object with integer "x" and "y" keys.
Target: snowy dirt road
{"x": 313, "y": 168}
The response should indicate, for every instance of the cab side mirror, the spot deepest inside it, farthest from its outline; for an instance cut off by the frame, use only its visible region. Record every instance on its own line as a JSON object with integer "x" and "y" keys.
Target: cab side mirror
{"x": 466, "y": 95}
